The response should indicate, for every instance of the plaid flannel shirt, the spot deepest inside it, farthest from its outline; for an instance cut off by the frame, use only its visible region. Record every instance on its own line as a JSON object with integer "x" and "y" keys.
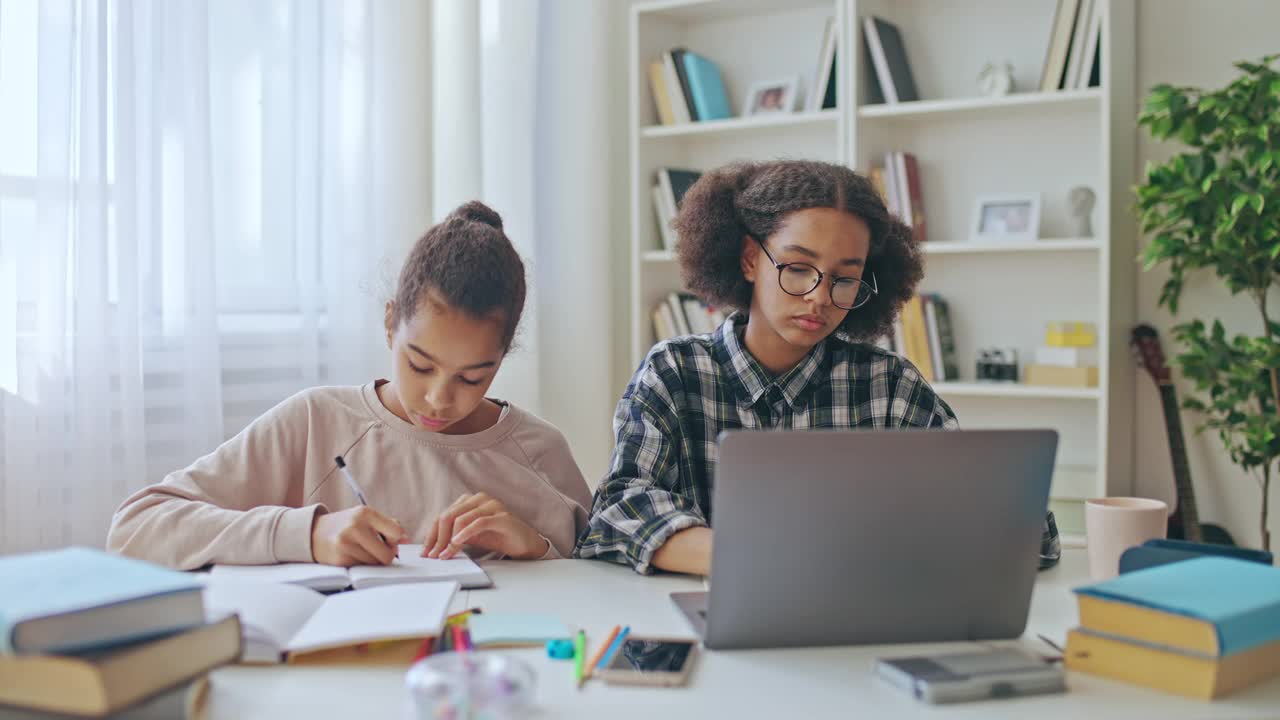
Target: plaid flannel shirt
{"x": 691, "y": 388}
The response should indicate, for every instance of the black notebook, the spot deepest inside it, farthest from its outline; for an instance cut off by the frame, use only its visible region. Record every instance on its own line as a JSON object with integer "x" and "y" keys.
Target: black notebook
{"x": 888, "y": 55}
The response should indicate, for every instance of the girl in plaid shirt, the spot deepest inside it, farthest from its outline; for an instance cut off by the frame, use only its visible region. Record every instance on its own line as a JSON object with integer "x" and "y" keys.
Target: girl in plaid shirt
{"x": 816, "y": 269}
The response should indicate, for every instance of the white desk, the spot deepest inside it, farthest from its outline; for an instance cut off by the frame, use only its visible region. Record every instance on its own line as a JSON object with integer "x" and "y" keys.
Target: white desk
{"x": 803, "y": 683}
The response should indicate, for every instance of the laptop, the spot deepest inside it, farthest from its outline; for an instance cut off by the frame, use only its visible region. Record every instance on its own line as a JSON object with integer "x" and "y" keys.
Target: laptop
{"x": 838, "y": 537}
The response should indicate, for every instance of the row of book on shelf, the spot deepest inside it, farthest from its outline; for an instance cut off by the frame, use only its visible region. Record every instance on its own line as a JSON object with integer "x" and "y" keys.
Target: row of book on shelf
{"x": 924, "y": 334}
{"x": 1074, "y": 59}
{"x": 688, "y": 87}
{"x": 684, "y": 314}
{"x": 898, "y": 182}
{"x": 668, "y": 191}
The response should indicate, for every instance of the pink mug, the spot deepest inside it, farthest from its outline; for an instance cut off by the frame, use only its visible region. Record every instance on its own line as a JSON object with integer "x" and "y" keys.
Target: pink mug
{"x": 1115, "y": 524}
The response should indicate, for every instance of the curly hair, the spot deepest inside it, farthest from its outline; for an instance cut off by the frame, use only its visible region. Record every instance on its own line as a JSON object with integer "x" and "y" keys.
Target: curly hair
{"x": 729, "y": 203}
{"x": 473, "y": 266}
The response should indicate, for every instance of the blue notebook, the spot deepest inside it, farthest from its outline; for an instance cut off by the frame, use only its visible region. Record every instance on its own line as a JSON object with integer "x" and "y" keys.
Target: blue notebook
{"x": 1240, "y": 598}
{"x": 81, "y": 599}
{"x": 706, "y": 88}
{"x": 514, "y": 629}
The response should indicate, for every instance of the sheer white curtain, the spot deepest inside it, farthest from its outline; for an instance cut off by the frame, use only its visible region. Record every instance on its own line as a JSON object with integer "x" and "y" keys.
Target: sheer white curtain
{"x": 200, "y": 202}
{"x": 524, "y": 120}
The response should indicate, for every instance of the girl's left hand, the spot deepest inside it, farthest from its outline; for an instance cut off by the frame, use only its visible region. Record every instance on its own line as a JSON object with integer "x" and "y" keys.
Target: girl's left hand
{"x": 486, "y": 523}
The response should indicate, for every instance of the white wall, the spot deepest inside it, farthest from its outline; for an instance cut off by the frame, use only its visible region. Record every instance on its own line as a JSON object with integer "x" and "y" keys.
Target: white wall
{"x": 1194, "y": 42}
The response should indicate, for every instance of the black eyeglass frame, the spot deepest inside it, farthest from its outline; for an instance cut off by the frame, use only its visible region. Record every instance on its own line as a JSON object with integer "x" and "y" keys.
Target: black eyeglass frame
{"x": 873, "y": 286}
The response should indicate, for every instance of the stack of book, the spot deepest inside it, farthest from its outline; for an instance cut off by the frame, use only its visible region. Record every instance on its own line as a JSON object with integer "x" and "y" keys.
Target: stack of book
{"x": 1203, "y": 628}
{"x": 898, "y": 183}
{"x": 687, "y": 87}
{"x": 1069, "y": 357}
{"x": 87, "y": 633}
{"x": 668, "y": 191}
{"x": 1074, "y": 60}
{"x": 923, "y": 334}
{"x": 683, "y": 314}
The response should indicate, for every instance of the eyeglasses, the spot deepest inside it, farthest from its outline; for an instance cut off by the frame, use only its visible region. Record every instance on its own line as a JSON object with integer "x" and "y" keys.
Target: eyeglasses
{"x": 799, "y": 279}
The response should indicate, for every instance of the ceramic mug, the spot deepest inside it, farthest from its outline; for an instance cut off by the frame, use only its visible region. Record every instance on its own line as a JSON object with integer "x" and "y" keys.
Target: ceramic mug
{"x": 1115, "y": 524}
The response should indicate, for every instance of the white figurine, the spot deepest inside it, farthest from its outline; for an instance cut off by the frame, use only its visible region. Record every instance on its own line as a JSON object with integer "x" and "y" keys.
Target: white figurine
{"x": 995, "y": 80}
{"x": 1080, "y": 200}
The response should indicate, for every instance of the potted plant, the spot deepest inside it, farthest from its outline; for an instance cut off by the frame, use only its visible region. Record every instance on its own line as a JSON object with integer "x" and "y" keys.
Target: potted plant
{"x": 1217, "y": 207}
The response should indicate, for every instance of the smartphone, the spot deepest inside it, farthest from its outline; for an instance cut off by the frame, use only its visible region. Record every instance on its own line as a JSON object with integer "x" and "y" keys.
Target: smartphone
{"x": 657, "y": 661}
{"x": 973, "y": 676}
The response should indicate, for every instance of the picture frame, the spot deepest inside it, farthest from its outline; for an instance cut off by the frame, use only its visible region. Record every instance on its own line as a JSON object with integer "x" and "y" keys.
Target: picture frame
{"x": 1006, "y": 218}
{"x": 767, "y": 97}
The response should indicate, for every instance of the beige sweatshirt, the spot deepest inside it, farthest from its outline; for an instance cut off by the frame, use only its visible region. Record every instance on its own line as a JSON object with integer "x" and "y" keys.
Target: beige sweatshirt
{"x": 252, "y": 500}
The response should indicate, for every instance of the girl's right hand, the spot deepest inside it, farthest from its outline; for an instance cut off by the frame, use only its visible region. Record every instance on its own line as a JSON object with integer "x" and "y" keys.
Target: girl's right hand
{"x": 350, "y": 537}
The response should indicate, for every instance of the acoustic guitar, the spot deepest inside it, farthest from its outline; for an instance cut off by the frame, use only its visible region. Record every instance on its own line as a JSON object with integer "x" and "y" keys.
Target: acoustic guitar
{"x": 1184, "y": 523}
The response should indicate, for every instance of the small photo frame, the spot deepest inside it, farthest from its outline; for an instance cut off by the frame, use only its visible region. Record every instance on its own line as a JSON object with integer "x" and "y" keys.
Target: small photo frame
{"x": 771, "y": 96}
{"x": 1006, "y": 218}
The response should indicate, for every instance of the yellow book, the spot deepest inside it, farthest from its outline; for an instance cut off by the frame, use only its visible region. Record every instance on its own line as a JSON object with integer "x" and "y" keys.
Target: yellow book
{"x": 103, "y": 683}
{"x": 913, "y": 327}
{"x": 1071, "y": 334}
{"x": 877, "y": 180}
{"x": 389, "y": 652}
{"x": 1193, "y": 676}
{"x": 1148, "y": 625}
{"x": 658, "y": 83}
{"x": 1059, "y": 376}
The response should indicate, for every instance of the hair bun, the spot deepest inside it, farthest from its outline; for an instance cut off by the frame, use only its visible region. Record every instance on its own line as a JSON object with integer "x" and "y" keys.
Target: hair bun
{"x": 476, "y": 211}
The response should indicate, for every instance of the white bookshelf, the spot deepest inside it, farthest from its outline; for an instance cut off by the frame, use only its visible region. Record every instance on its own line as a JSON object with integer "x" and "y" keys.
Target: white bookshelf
{"x": 1044, "y": 245}
{"x": 1000, "y": 294}
{"x": 740, "y": 125}
{"x": 1028, "y": 101}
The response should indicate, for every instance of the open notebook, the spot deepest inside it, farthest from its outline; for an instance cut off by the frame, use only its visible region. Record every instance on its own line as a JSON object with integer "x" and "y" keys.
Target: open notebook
{"x": 407, "y": 568}
{"x": 278, "y": 619}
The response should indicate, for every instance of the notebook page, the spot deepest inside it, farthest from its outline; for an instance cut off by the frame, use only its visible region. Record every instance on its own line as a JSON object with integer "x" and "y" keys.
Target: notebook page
{"x": 270, "y": 612}
{"x": 409, "y": 567}
{"x": 317, "y": 577}
{"x": 383, "y": 613}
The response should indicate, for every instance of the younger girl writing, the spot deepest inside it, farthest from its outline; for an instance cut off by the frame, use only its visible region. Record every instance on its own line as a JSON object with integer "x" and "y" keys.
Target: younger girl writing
{"x": 437, "y": 461}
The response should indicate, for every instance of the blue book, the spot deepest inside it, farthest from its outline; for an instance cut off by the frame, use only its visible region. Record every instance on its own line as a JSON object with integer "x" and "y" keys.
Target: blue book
{"x": 706, "y": 88}
{"x": 77, "y": 599}
{"x": 1240, "y": 599}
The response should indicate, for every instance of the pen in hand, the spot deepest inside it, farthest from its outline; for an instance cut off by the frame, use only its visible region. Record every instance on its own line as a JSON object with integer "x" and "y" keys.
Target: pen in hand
{"x": 355, "y": 488}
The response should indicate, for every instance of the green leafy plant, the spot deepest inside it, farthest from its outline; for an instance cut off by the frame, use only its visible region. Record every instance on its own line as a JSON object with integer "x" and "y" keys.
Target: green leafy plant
{"x": 1217, "y": 207}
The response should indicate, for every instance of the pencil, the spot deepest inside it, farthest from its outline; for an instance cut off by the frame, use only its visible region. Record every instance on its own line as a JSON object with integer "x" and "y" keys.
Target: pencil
{"x": 599, "y": 655}
{"x": 579, "y": 649}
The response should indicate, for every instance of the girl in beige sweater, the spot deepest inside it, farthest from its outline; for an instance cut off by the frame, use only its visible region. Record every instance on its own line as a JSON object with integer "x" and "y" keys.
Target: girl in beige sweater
{"x": 438, "y": 462}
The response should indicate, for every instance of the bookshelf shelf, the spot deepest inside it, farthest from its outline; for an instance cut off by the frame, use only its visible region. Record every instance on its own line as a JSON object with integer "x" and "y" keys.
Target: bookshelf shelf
{"x": 1014, "y": 390}
{"x": 740, "y": 125}
{"x": 703, "y": 11}
{"x": 928, "y": 108}
{"x": 1044, "y": 245}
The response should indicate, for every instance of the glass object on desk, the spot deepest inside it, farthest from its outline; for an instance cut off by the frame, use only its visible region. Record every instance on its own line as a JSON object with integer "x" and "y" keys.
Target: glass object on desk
{"x": 469, "y": 686}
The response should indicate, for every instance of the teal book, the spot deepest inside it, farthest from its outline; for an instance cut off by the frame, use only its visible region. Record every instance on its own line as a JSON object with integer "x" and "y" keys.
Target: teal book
{"x": 77, "y": 599}
{"x": 1241, "y": 599}
{"x": 706, "y": 88}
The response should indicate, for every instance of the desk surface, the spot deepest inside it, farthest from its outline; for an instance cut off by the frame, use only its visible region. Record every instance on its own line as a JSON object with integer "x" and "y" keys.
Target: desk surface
{"x": 819, "y": 682}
